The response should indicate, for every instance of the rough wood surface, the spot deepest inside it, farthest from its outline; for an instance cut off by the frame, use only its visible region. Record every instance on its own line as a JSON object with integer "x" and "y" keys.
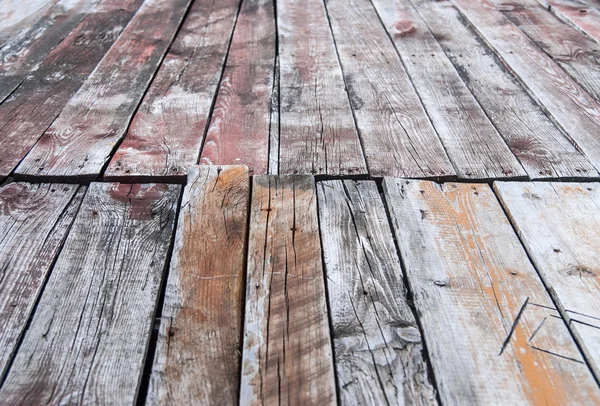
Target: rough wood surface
{"x": 167, "y": 131}
{"x": 539, "y": 145}
{"x": 87, "y": 340}
{"x": 492, "y": 331}
{"x": 317, "y": 130}
{"x": 197, "y": 357}
{"x": 579, "y": 13}
{"x": 471, "y": 141}
{"x": 559, "y": 224}
{"x": 240, "y": 124}
{"x": 79, "y": 142}
{"x": 35, "y": 220}
{"x": 287, "y": 356}
{"x": 396, "y": 133}
{"x": 377, "y": 343}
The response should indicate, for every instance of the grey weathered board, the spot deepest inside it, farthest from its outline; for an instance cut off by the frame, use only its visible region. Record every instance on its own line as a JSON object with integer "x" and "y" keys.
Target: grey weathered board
{"x": 493, "y": 334}
{"x": 559, "y": 224}
{"x": 34, "y": 220}
{"x": 197, "y": 357}
{"x": 377, "y": 343}
{"x": 87, "y": 340}
{"x": 581, "y": 14}
{"x": 287, "y": 357}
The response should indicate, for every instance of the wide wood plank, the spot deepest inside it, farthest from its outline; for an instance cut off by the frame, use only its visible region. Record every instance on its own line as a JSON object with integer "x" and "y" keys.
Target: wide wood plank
{"x": 242, "y": 118}
{"x": 571, "y": 107}
{"x": 378, "y": 346}
{"x": 492, "y": 331}
{"x": 397, "y": 136}
{"x": 473, "y": 144}
{"x": 87, "y": 340}
{"x": 79, "y": 142}
{"x": 559, "y": 224}
{"x": 317, "y": 130}
{"x": 197, "y": 357}
{"x": 35, "y": 220}
{"x": 287, "y": 356}
{"x": 167, "y": 132}
{"x": 583, "y": 15}
{"x": 540, "y": 146}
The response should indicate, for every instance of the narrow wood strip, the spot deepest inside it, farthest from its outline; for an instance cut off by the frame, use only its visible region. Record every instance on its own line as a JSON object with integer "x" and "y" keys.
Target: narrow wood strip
{"x": 540, "y": 146}
{"x": 274, "y": 124}
{"x": 287, "y": 355}
{"x": 317, "y": 130}
{"x": 239, "y": 129}
{"x": 492, "y": 331}
{"x": 378, "y": 346}
{"x": 87, "y": 340}
{"x": 35, "y": 219}
{"x": 397, "y": 135}
{"x": 197, "y": 357}
{"x": 167, "y": 132}
{"x": 571, "y": 107}
{"x": 81, "y": 139}
{"x": 579, "y": 13}
{"x": 559, "y": 224}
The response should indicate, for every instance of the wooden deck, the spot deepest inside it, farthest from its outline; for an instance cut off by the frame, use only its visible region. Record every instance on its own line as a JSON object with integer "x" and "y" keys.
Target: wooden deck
{"x": 320, "y": 202}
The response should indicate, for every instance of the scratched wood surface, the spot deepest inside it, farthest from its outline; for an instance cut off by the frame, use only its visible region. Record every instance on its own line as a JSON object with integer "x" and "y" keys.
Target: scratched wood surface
{"x": 287, "y": 356}
{"x": 581, "y": 14}
{"x": 559, "y": 224}
{"x": 86, "y": 343}
{"x": 377, "y": 343}
{"x": 167, "y": 132}
{"x": 197, "y": 356}
{"x": 472, "y": 283}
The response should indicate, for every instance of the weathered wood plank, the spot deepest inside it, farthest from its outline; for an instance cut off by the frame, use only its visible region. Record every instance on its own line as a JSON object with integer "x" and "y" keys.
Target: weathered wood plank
{"x": 274, "y": 124}
{"x": 240, "y": 124}
{"x": 397, "y": 136}
{"x": 87, "y": 340}
{"x": 492, "y": 331}
{"x": 17, "y": 16}
{"x": 571, "y": 107}
{"x": 287, "y": 356}
{"x": 79, "y": 142}
{"x": 317, "y": 130}
{"x": 167, "y": 132}
{"x": 35, "y": 220}
{"x": 539, "y": 145}
{"x": 197, "y": 357}
{"x": 471, "y": 141}
{"x": 579, "y": 13}
{"x": 559, "y": 224}
{"x": 378, "y": 346}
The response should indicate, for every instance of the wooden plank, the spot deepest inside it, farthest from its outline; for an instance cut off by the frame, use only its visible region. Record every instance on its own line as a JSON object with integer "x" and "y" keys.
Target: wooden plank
{"x": 87, "y": 340}
{"x": 559, "y": 224}
{"x": 167, "y": 132}
{"x": 473, "y": 144}
{"x": 274, "y": 124}
{"x": 579, "y": 13}
{"x": 17, "y": 16}
{"x": 35, "y": 219}
{"x": 79, "y": 142}
{"x": 492, "y": 331}
{"x": 540, "y": 146}
{"x": 571, "y": 107}
{"x": 378, "y": 346}
{"x": 197, "y": 357}
{"x": 39, "y": 98}
{"x": 287, "y": 355}
{"x": 397, "y": 135}
{"x": 317, "y": 130}
{"x": 240, "y": 124}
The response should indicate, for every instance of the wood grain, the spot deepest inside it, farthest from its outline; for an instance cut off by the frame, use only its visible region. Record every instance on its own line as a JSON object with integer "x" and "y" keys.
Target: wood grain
{"x": 559, "y": 224}
{"x": 579, "y": 13}
{"x": 492, "y": 331}
{"x": 378, "y": 346}
{"x": 87, "y": 340}
{"x": 317, "y": 130}
{"x": 197, "y": 359}
{"x": 287, "y": 355}
{"x": 397, "y": 136}
{"x": 167, "y": 132}
{"x": 35, "y": 220}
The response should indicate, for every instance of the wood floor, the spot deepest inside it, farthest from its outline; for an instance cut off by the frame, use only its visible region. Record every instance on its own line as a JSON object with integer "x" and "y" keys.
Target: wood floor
{"x": 356, "y": 202}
